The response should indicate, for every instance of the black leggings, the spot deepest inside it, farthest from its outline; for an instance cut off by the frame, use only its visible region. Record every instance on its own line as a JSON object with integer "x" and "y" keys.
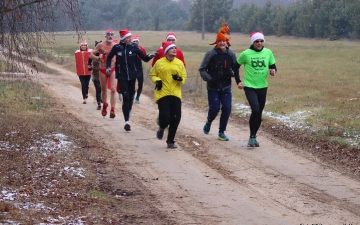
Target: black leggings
{"x": 140, "y": 86}
{"x": 127, "y": 89}
{"x": 84, "y": 80}
{"x": 169, "y": 114}
{"x": 257, "y": 100}
{"x": 97, "y": 91}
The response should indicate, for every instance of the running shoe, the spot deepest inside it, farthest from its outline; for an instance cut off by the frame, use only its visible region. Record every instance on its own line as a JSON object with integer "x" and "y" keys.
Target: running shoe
{"x": 137, "y": 100}
{"x": 253, "y": 142}
{"x": 99, "y": 107}
{"x": 207, "y": 127}
{"x": 127, "y": 127}
{"x": 160, "y": 134}
{"x": 112, "y": 114}
{"x": 84, "y": 102}
{"x": 103, "y": 111}
{"x": 171, "y": 145}
{"x": 222, "y": 137}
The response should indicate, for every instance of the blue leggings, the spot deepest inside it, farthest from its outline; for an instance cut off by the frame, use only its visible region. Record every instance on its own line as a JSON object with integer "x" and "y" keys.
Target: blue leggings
{"x": 257, "y": 100}
{"x": 215, "y": 100}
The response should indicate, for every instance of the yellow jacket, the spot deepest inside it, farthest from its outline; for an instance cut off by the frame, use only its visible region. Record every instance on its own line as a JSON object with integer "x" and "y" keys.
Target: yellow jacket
{"x": 163, "y": 70}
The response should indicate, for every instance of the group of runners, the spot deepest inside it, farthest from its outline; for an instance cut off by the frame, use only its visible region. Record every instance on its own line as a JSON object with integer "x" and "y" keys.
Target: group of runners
{"x": 119, "y": 65}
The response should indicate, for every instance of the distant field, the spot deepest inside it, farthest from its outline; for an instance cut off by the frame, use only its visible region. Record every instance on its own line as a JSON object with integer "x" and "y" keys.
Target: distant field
{"x": 316, "y": 87}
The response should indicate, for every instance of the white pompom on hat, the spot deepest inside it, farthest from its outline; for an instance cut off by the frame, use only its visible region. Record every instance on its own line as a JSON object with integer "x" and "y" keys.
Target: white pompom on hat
{"x": 167, "y": 45}
{"x": 256, "y": 36}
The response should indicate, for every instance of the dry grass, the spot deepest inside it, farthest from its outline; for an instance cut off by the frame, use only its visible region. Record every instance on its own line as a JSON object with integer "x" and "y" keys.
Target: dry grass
{"x": 53, "y": 171}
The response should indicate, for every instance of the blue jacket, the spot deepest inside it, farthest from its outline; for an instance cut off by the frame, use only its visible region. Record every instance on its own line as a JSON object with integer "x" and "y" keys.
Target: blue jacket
{"x": 126, "y": 56}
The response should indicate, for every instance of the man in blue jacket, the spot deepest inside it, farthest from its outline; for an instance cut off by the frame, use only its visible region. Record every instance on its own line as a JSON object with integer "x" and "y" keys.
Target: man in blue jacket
{"x": 217, "y": 69}
{"x": 126, "y": 70}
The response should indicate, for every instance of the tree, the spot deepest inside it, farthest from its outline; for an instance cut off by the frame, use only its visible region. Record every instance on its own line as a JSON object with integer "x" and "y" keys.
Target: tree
{"x": 214, "y": 9}
{"x": 27, "y": 25}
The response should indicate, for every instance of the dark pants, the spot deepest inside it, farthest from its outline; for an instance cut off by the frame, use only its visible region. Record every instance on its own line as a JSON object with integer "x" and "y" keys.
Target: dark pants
{"x": 217, "y": 99}
{"x": 85, "y": 81}
{"x": 140, "y": 86}
{"x": 97, "y": 91}
{"x": 169, "y": 114}
{"x": 257, "y": 100}
{"x": 127, "y": 89}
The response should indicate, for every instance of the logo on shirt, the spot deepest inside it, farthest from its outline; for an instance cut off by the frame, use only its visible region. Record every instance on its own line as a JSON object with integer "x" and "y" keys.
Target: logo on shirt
{"x": 119, "y": 53}
{"x": 258, "y": 63}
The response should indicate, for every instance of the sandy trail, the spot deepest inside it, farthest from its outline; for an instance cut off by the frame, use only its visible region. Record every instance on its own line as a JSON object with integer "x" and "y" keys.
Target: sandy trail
{"x": 206, "y": 181}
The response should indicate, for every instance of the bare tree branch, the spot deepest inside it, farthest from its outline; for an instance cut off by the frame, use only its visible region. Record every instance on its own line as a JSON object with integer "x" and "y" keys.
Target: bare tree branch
{"x": 27, "y": 25}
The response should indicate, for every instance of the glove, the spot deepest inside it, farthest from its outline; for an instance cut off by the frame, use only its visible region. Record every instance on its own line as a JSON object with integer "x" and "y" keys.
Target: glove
{"x": 177, "y": 77}
{"x": 108, "y": 70}
{"x": 229, "y": 73}
{"x": 89, "y": 67}
{"x": 158, "y": 85}
{"x": 152, "y": 55}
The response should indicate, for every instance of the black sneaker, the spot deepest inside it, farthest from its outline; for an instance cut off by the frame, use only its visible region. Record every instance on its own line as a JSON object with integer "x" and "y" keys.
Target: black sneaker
{"x": 160, "y": 134}
{"x": 127, "y": 127}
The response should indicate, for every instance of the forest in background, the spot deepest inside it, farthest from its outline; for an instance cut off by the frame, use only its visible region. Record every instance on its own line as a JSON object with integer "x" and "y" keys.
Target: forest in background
{"x": 331, "y": 19}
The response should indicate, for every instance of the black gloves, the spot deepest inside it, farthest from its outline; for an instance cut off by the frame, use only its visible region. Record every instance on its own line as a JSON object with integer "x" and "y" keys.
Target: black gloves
{"x": 158, "y": 85}
{"x": 177, "y": 77}
{"x": 152, "y": 55}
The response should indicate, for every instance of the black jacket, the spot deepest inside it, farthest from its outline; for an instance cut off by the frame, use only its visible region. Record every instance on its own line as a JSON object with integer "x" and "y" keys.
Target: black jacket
{"x": 218, "y": 67}
{"x": 126, "y": 55}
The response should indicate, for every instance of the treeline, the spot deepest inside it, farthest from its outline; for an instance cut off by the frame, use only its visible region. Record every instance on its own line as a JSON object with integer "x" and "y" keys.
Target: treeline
{"x": 135, "y": 14}
{"x": 331, "y": 19}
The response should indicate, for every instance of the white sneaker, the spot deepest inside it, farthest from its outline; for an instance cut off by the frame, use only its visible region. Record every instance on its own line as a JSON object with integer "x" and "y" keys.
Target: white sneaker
{"x": 120, "y": 97}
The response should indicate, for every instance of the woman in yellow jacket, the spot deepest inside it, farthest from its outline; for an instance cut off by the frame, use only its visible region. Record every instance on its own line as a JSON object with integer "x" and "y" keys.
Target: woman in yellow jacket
{"x": 168, "y": 74}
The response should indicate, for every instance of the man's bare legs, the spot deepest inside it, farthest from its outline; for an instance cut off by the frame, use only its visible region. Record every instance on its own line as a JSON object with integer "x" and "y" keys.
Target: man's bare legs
{"x": 113, "y": 82}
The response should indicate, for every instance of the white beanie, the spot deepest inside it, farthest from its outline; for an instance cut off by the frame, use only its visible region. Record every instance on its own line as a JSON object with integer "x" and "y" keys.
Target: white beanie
{"x": 256, "y": 36}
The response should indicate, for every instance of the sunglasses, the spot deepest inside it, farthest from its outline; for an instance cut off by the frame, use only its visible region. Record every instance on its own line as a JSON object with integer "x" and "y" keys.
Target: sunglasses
{"x": 110, "y": 33}
{"x": 170, "y": 39}
{"x": 257, "y": 41}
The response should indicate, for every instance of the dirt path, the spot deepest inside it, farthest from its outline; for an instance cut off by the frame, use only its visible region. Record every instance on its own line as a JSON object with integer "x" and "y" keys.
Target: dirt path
{"x": 206, "y": 181}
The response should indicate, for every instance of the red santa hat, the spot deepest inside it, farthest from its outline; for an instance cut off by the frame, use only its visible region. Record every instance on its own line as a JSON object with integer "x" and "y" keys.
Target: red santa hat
{"x": 83, "y": 42}
{"x": 256, "y": 36}
{"x": 167, "y": 45}
{"x": 171, "y": 35}
{"x": 109, "y": 31}
{"x": 124, "y": 34}
{"x": 135, "y": 38}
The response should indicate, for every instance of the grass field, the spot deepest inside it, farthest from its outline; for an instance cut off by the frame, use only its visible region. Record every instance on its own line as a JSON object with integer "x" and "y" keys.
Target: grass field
{"x": 316, "y": 88}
